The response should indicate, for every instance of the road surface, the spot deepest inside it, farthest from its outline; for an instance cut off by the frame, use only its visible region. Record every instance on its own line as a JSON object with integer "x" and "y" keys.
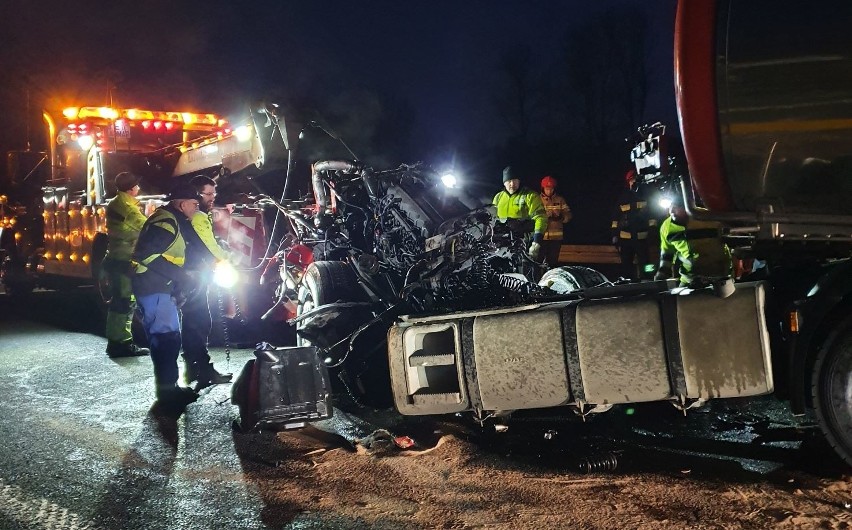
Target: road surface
{"x": 80, "y": 449}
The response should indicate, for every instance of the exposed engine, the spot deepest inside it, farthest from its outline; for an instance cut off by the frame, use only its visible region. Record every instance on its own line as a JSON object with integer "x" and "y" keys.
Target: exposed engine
{"x": 412, "y": 240}
{"x": 377, "y": 245}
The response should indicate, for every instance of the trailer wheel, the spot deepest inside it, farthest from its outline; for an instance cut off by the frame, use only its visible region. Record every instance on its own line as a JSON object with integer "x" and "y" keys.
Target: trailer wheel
{"x": 570, "y": 278}
{"x": 831, "y": 388}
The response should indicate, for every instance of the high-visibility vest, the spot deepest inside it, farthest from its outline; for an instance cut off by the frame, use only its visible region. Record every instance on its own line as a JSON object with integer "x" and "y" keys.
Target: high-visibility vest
{"x": 175, "y": 252}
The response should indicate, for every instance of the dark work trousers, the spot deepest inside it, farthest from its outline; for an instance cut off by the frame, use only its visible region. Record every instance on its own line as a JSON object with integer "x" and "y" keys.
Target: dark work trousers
{"x": 634, "y": 256}
{"x": 550, "y": 251}
{"x": 196, "y": 323}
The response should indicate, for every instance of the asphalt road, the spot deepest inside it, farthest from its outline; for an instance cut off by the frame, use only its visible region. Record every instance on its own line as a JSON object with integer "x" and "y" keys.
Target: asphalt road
{"x": 80, "y": 449}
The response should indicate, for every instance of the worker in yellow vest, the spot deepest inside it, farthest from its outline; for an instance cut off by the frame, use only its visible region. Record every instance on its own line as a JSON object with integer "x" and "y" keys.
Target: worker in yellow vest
{"x": 516, "y": 203}
{"x": 203, "y": 252}
{"x": 160, "y": 282}
{"x": 695, "y": 246}
{"x": 124, "y": 220}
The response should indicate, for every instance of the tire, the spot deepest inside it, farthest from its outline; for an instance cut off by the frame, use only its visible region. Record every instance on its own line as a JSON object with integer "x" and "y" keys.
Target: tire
{"x": 570, "y": 278}
{"x": 15, "y": 281}
{"x": 831, "y": 386}
{"x": 326, "y": 282}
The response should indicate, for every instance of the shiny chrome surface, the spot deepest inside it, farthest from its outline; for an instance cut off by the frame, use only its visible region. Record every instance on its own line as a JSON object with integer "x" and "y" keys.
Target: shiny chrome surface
{"x": 784, "y": 88}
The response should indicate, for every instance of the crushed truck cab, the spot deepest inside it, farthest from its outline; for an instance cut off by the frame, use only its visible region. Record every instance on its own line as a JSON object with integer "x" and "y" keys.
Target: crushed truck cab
{"x": 588, "y": 354}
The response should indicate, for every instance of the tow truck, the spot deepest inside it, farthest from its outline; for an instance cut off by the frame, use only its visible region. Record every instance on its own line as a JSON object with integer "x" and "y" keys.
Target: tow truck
{"x": 52, "y": 221}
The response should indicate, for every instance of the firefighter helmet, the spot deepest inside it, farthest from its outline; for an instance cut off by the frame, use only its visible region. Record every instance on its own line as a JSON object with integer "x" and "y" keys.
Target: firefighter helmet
{"x": 630, "y": 175}
{"x": 548, "y": 182}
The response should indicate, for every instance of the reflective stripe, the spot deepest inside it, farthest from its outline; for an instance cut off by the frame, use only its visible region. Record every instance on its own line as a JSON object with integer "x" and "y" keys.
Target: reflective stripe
{"x": 625, "y": 207}
{"x": 641, "y": 204}
{"x": 176, "y": 251}
{"x": 614, "y": 224}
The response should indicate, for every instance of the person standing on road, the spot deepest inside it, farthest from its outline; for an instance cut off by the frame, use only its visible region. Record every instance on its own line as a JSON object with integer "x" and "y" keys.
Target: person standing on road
{"x": 124, "y": 220}
{"x": 521, "y": 204}
{"x": 160, "y": 284}
{"x": 203, "y": 251}
{"x": 696, "y": 246}
{"x": 634, "y": 230}
{"x": 558, "y": 213}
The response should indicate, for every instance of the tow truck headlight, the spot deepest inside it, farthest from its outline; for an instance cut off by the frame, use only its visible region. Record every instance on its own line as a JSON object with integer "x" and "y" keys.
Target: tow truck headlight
{"x": 665, "y": 202}
{"x": 225, "y": 275}
{"x": 449, "y": 180}
{"x": 243, "y": 133}
{"x": 85, "y": 142}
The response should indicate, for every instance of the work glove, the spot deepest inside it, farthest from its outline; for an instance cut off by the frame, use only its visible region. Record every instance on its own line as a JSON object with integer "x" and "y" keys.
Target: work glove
{"x": 535, "y": 250}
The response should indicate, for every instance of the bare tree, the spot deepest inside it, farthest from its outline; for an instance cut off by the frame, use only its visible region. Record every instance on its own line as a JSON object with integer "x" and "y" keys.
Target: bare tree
{"x": 519, "y": 98}
{"x": 606, "y": 78}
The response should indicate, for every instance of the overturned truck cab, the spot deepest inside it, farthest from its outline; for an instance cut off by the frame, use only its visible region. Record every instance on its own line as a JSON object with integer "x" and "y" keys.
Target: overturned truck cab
{"x": 587, "y": 354}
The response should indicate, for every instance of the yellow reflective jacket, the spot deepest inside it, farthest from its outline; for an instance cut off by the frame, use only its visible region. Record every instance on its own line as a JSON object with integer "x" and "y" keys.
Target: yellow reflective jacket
{"x": 698, "y": 248}
{"x": 124, "y": 220}
{"x": 202, "y": 224}
{"x": 524, "y": 204}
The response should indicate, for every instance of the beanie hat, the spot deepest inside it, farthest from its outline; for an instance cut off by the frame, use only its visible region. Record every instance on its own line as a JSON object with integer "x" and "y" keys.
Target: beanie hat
{"x": 125, "y": 181}
{"x": 508, "y": 174}
{"x": 183, "y": 191}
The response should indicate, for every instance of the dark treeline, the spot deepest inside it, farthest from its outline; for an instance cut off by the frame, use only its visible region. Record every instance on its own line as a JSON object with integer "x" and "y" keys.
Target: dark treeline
{"x": 564, "y": 114}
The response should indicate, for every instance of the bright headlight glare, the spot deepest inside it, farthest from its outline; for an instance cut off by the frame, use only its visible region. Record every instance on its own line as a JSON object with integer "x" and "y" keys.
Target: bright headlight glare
{"x": 85, "y": 142}
{"x": 449, "y": 180}
{"x": 243, "y": 133}
{"x": 225, "y": 275}
{"x": 665, "y": 202}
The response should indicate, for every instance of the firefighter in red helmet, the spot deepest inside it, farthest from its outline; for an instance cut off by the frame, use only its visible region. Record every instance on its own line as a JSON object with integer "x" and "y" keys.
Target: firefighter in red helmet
{"x": 558, "y": 213}
{"x": 635, "y": 230}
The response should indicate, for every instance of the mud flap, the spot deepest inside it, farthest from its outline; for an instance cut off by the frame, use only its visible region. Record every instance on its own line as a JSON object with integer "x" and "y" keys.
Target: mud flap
{"x": 282, "y": 389}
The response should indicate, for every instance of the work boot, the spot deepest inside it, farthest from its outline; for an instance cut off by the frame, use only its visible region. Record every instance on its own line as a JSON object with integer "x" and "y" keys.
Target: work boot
{"x": 174, "y": 399}
{"x": 125, "y": 349}
{"x": 205, "y": 374}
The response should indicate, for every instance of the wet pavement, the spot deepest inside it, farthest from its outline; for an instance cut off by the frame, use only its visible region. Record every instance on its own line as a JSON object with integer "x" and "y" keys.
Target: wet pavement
{"x": 82, "y": 449}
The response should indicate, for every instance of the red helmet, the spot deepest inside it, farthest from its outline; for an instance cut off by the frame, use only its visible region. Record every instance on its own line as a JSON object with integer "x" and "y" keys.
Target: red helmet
{"x": 630, "y": 175}
{"x": 548, "y": 182}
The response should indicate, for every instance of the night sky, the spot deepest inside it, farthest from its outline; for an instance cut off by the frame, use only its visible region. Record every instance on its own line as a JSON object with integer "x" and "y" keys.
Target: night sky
{"x": 399, "y": 81}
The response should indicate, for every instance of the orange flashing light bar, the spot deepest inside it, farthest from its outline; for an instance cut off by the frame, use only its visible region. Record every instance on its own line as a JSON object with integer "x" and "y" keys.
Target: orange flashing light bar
{"x": 190, "y": 120}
